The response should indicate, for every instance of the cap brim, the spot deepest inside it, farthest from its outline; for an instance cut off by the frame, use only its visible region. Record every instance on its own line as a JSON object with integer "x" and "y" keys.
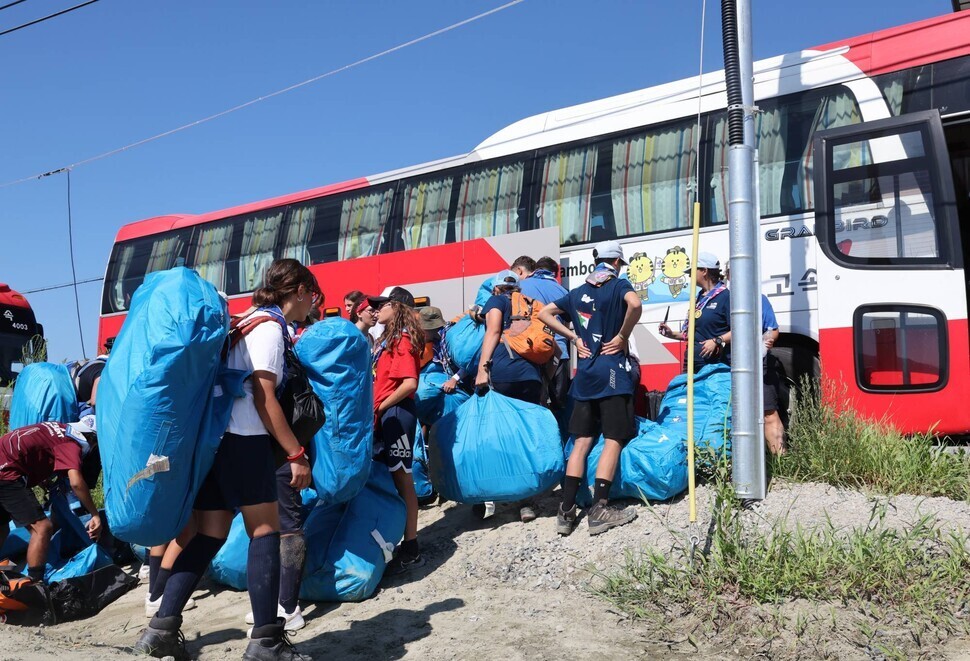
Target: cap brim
{"x": 374, "y": 301}
{"x": 433, "y": 325}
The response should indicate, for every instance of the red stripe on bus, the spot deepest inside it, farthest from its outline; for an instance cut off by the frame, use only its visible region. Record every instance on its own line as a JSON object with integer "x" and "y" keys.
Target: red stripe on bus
{"x": 911, "y": 45}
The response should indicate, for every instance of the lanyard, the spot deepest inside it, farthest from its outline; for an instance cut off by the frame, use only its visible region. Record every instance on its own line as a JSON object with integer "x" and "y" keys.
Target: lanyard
{"x": 703, "y": 301}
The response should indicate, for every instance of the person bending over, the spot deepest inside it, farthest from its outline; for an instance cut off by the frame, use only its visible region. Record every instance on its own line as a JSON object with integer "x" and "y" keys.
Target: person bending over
{"x": 30, "y": 456}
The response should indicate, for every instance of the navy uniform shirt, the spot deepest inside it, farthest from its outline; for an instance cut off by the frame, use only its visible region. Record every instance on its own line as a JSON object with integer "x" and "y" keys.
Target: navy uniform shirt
{"x": 597, "y": 315}
{"x": 508, "y": 368}
{"x": 715, "y": 320}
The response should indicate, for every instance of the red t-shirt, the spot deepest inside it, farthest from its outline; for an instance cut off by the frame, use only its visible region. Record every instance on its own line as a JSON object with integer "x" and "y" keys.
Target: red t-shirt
{"x": 393, "y": 366}
{"x": 37, "y": 452}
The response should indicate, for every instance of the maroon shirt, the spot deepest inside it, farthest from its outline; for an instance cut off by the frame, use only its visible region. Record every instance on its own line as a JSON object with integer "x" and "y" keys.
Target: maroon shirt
{"x": 37, "y": 452}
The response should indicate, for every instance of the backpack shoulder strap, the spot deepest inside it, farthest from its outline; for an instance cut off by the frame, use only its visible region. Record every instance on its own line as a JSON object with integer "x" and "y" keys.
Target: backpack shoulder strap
{"x": 240, "y": 327}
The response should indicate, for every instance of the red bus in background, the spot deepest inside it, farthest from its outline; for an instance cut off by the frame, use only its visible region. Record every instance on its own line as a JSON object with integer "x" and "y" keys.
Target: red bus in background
{"x": 864, "y": 172}
{"x": 19, "y": 334}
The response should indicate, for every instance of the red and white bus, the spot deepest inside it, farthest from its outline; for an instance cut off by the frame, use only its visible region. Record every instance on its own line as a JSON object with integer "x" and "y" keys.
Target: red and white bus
{"x": 864, "y": 148}
{"x": 19, "y": 334}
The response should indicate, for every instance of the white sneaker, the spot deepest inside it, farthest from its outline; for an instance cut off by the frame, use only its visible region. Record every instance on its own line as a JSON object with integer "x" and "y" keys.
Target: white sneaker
{"x": 143, "y": 572}
{"x": 151, "y": 607}
{"x": 292, "y": 621}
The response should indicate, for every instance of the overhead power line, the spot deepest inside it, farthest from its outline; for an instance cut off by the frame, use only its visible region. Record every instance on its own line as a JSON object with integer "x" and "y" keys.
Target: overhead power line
{"x": 45, "y": 18}
{"x": 64, "y": 286}
{"x": 233, "y": 109}
{"x": 11, "y": 4}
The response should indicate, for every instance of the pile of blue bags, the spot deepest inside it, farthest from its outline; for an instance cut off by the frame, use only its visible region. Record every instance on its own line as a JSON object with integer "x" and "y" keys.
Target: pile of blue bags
{"x": 712, "y": 409}
{"x": 493, "y": 448}
{"x": 164, "y": 401}
{"x": 43, "y": 392}
{"x": 431, "y": 402}
{"x": 348, "y": 544}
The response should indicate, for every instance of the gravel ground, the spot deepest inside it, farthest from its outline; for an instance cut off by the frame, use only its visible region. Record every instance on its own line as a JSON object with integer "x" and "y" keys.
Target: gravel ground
{"x": 501, "y": 589}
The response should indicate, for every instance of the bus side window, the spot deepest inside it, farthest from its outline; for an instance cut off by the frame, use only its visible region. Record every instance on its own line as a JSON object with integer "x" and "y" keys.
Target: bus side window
{"x": 492, "y": 200}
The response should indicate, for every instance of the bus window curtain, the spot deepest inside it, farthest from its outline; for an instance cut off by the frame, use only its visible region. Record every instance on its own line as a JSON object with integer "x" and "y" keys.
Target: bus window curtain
{"x": 771, "y": 130}
{"x": 211, "y": 253}
{"x": 835, "y": 110}
{"x": 650, "y": 177}
{"x": 567, "y": 189}
{"x": 426, "y": 206}
{"x": 362, "y": 221}
{"x": 163, "y": 254}
{"x": 124, "y": 263}
{"x": 488, "y": 201}
{"x": 298, "y": 231}
{"x": 258, "y": 241}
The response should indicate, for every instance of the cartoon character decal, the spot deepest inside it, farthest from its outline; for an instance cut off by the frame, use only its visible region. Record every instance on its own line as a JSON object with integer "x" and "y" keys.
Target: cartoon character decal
{"x": 640, "y": 273}
{"x": 673, "y": 265}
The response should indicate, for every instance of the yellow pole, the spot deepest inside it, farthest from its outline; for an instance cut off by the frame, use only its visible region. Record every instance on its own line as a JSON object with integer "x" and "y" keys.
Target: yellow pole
{"x": 691, "y": 318}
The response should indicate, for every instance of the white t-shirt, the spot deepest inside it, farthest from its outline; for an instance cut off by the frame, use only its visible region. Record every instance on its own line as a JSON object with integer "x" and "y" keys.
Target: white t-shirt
{"x": 260, "y": 350}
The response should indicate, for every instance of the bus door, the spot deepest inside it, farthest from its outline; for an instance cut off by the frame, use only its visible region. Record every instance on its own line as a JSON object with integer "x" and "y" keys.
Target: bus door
{"x": 892, "y": 307}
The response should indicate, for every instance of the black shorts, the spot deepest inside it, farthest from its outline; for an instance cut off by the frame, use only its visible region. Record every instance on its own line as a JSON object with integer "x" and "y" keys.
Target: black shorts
{"x": 19, "y": 504}
{"x": 244, "y": 473}
{"x": 290, "y": 503}
{"x": 524, "y": 391}
{"x": 394, "y": 436}
{"x": 772, "y": 383}
{"x": 611, "y": 416}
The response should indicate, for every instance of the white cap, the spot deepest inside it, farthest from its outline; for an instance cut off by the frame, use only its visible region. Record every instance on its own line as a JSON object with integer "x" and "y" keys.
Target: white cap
{"x": 609, "y": 250}
{"x": 706, "y": 260}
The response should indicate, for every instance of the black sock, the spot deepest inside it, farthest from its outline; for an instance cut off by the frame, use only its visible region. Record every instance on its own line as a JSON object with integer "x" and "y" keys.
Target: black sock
{"x": 186, "y": 573}
{"x": 601, "y": 490}
{"x": 161, "y": 580}
{"x": 263, "y": 571}
{"x": 154, "y": 564}
{"x": 36, "y": 573}
{"x": 570, "y": 486}
{"x": 292, "y": 558}
{"x": 410, "y": 548}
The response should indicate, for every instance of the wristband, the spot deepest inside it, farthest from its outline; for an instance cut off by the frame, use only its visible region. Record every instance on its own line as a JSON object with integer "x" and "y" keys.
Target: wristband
{"x": 621, "y": 336}
{"x": 296, "y": 456}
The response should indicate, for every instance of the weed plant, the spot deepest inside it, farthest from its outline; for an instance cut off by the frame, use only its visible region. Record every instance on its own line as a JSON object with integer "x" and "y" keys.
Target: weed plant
{"x": 831, "y": 443}
{"x": 917, "y": 575}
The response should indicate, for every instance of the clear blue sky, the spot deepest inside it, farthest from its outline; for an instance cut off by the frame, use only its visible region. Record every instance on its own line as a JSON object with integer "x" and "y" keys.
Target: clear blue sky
{"x": 119, "y": 71}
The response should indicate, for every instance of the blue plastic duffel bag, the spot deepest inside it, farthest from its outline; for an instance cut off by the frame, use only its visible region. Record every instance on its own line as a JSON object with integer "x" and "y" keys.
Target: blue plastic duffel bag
{"x": 464, "y": 342}
{"x": 43, "y": 392}
{"x": 653, "y": 465}
{"x": 712, "y": 409}
{"x": 83, "y": 562}
{"x": 348, "y": 544}
{"x": 337, "y": 359}
{"x": 484, "y": 292}
{"x": 419, "y": 469}
{"x": 164, "y": 401}
{"x": 229, "y": 565}
{"x": 494, "y": 448}
{"x": 430, "y": 401}
{"x": 361, "y": 544}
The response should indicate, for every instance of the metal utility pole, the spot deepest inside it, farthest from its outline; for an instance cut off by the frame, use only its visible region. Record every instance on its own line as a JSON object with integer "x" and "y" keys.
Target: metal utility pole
{"x": 746, "y": 339}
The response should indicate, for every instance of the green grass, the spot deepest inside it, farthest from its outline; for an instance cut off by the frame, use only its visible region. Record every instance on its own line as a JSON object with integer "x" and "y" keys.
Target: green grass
{"x": 916, "y": 577}
{"x": 834, "y": 445}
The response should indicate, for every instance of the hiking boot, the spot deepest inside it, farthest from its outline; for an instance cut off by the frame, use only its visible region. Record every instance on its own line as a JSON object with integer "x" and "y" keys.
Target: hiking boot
{"x": 291, "y": 621}
{"x": 269, "y": 643}
{"x": 162, "y": 638}
{"x": 601, "y": 517}
{"x": 404, "y": 563}
{"x": 566, "y": 520}
{"x": 527, "y": 514}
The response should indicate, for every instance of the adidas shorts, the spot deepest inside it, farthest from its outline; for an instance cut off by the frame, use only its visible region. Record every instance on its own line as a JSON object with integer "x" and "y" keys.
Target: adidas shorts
{"x": 394, "y": 437}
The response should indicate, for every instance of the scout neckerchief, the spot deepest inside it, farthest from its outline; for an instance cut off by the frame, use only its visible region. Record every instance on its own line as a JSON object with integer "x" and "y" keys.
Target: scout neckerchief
{"x": 601, "y": 275}
{"x": 704, "y": 300}
{"x": 543, "y": 274}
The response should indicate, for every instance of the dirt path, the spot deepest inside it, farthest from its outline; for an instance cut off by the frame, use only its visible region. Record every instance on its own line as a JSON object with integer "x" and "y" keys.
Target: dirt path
{"x": 496, "y": 589}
